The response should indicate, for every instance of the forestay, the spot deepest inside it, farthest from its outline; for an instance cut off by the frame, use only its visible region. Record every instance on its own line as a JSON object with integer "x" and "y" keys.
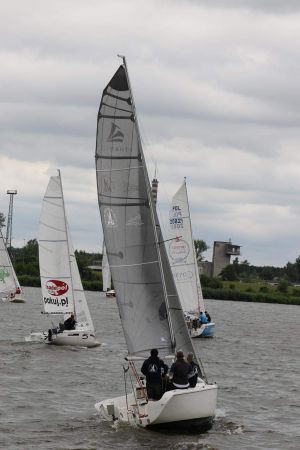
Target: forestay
{"x": 54, "y": 260}
{"x": 149, "y": 307}
{"x": 182, "y": 254}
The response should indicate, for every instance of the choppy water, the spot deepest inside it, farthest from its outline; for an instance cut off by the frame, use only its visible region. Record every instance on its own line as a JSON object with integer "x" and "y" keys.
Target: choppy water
{"x": 47, "y": 393}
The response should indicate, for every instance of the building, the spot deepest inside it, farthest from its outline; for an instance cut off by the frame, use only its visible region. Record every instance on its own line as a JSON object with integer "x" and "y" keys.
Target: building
{"x": 222, "y": 252}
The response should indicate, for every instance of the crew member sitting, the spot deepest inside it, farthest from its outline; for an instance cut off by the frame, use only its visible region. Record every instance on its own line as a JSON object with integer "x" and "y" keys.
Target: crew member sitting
{"x": 180, "y": 372}
{"x": 203, "y": 318}
{"x": 70, "y": 323}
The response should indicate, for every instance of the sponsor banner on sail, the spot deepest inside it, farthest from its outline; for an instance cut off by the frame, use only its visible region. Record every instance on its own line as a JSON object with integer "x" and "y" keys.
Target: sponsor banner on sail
{"x": 57, "y": 297}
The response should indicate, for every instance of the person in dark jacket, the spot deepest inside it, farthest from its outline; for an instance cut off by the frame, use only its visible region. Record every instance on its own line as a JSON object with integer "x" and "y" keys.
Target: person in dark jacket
{"x": 208, "y": 316}
{"x": 180, "y": 372}
{"x": 196, "y": 372}
{"x": 70, "y": 323}
{"x": 154, "y": 370}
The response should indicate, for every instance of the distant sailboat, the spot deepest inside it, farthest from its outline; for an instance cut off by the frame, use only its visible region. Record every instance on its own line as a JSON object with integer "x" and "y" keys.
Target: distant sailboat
{"x": 10, "y": 289}
{"x": 62, "y": 289}
{"x": 183, "y": 261}
{"x": 106, "y": 275}
{"x": 147, "y": 299}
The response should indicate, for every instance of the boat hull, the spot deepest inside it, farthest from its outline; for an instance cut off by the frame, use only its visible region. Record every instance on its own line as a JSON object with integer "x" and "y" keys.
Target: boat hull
{"x": 205, "y": 331}
{"x": 187, "y": 407}
{"x": 80, "y": 338}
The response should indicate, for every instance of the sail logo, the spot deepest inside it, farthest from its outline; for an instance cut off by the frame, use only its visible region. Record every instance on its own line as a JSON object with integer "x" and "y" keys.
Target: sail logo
{"x": 135, "y": 221}
{"x": 176, "y": 219}
{"x": 116, "y": 135}
{"x": 3, "y": 274}
{"x": 57, "y": 287}
{"x": 107, "y": 185}
{"x": 179, "y": 250}
{"x": 182, "y": 276}
{"x": 110, "y": 218}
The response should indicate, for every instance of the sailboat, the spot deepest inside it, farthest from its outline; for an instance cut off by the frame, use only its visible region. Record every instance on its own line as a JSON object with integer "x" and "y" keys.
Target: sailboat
{"x": 183, "y": 261}
{"x": 149, "y": 306}
{"x": 106, "y": 275}
{"x": 10, "y": 289}
{"x": 62, "y": 289}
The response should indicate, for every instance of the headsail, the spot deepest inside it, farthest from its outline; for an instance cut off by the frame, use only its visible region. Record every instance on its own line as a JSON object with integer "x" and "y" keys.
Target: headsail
{"x": 182, "y": 254}
{"x": 83, "y": 316}
{"x": 54, "y": 259}
{"x": 149, "y": 307}
{"x": 7, "y": 281}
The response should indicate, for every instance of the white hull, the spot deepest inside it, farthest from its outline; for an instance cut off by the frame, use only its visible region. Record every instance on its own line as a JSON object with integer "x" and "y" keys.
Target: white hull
{"x": 179, "y": 405}
{"x": 18, "y": 299}
{"x": 81, "y": 338}
{"x": 206, "y": 330}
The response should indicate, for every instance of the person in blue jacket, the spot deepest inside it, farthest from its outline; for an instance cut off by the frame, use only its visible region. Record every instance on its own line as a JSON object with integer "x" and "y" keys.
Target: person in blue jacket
{"x": 154, "y": 370}
{"x": 203, "y": 318}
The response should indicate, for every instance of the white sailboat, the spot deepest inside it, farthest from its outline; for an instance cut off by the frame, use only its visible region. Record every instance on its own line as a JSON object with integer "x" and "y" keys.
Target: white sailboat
{"x": 106, "y": 275}
{"x": 147, "y": 299}
{"x": 62, "y": 289}
{"x": 10, "y": 289}
{"x": 183, "y": 261}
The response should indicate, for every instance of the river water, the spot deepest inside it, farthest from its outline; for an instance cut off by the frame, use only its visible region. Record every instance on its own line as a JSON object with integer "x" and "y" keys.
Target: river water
{"x": 47, "y": 393}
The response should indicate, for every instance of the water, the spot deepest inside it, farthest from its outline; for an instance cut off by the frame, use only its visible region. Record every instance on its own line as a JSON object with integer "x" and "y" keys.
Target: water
{"x": 47, "y": 393}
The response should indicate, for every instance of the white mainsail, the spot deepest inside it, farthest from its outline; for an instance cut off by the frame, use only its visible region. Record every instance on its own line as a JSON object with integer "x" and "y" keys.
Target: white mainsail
{"x": 60, "y": 280}
{"x": 106, "y": 275}
{"x": 148, "y": 302}
{"x": 8, "y": 284}
{"x": 182, "y": 255}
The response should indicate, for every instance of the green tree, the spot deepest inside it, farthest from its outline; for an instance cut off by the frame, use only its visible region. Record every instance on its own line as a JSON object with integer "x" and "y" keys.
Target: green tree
{"x": 229, "y": 273}
{"x": 200, "y": 247}
{"x": 283, "y": 285}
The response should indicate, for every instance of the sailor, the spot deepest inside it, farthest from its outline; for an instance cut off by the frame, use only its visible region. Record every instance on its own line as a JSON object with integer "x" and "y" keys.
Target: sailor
{"x": 193, "y": 377}
{"x": 70, "y": 323}
{"x": 180, "y": 372}
{"x": 208, "y": 316}
{"x": 203, "y": 318}
{"x": 155, "y": 370}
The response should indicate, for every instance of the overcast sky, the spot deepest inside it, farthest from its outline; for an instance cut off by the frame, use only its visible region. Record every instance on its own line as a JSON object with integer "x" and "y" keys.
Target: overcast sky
{"x": 216, "y": 86}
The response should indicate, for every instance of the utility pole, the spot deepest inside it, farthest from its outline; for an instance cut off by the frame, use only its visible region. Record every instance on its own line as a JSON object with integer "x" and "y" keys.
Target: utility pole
{"x": 11, "y": 194}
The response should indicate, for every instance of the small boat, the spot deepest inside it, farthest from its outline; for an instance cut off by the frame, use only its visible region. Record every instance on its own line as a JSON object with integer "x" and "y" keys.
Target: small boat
{"x": 147, "y": 299}
{"x": 62, "y": 290}
{"x": 106, "y": 275}
{"x": 183, "y": 261}
{"x": 110, "y": 293}
{"x": 10, "y": 289}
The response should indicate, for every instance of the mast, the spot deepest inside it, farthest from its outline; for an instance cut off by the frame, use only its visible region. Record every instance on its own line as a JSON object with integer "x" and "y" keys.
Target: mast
{"x": 151, "y": 205}
{"x": 67, "y": 239}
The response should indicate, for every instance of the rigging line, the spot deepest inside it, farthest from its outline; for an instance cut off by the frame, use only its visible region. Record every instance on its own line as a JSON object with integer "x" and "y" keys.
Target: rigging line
{"x": 137, "y": 264}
